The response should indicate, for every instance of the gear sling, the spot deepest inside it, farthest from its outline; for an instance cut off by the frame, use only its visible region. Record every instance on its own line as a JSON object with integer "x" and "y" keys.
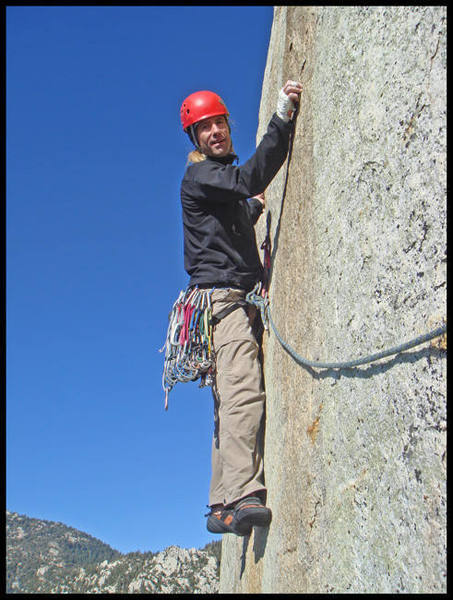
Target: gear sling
{"x": 189, "y": 353}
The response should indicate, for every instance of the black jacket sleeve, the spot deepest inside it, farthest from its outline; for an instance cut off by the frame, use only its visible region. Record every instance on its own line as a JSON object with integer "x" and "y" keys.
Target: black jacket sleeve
{"x": 213, "y": 181}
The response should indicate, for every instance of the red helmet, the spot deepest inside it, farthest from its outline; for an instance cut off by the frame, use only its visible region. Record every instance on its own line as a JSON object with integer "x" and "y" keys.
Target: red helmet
{"x": 201, "y": 105}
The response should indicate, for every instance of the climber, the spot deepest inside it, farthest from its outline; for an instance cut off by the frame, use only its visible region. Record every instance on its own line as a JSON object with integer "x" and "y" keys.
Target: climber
{"x": 221, "y": 203}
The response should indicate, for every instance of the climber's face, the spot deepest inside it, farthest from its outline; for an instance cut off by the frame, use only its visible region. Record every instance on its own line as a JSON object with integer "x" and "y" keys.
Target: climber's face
{"x": 214, "y": 136}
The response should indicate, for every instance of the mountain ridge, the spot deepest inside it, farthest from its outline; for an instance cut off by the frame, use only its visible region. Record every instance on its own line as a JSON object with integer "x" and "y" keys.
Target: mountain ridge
{"x": 51, "y": 557}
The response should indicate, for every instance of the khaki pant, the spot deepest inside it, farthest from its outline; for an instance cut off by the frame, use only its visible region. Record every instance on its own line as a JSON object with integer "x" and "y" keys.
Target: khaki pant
{"x": 239, "y": 397}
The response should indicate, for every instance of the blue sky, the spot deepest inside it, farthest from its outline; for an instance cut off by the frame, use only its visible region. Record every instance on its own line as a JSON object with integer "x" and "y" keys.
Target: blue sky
{"x": 95, "y": 157}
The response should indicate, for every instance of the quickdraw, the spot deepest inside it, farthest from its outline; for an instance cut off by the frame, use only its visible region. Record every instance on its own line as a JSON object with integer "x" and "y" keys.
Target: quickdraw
{"x": 188, "y": 348}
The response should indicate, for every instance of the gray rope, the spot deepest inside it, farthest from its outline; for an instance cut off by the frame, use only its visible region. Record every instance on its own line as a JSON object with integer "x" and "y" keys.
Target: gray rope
{"x": 263, "y": 305}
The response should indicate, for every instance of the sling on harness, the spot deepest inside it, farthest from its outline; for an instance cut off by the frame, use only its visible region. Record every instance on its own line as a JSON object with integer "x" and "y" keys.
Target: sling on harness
{"x": 226, "y": 311}
{"x": 189, "y": 352}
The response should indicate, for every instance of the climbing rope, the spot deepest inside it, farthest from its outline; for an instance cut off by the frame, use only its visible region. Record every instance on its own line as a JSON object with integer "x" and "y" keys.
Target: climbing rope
{"x": 188, "y": 346}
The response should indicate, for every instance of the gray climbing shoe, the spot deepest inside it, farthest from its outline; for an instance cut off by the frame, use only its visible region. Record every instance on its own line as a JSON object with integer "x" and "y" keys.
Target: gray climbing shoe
{"x": 223, "y": 521}
{"x": 250, "y": 512}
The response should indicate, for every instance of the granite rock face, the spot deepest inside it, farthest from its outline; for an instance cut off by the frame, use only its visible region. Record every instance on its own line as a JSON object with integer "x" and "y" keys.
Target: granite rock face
{"x": 355, "y": 459}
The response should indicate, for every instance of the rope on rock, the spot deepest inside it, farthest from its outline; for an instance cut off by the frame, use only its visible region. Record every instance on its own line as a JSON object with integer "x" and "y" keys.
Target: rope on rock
{"x": 254, "y": 297}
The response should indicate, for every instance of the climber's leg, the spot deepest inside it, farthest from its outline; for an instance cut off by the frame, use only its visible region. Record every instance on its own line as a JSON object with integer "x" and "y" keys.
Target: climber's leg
{"x": 237, "y": 458}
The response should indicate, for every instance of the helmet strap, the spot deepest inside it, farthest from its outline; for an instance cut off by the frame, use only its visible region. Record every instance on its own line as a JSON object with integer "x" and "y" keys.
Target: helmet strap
{"x": 193, "y": 136}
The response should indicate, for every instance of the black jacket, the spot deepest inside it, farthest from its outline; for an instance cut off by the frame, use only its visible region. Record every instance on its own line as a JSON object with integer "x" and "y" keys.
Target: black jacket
{"x": 219, "y": 236}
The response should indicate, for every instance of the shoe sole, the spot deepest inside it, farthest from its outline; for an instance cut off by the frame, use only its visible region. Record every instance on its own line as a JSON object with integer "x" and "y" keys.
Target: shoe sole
{"x": 216, "y": 526}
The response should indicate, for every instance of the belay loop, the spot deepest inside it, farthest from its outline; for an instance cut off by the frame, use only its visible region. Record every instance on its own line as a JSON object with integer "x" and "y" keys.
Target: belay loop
{"x": 188, "y": 348}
